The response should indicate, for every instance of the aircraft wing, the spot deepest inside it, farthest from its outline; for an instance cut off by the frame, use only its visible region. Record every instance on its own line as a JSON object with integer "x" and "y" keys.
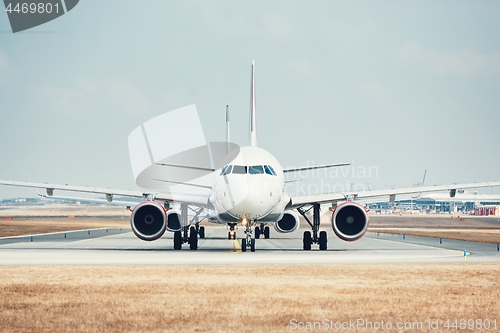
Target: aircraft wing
{"x": 315, "y": 167}
{"x": 297, "y": 201}
{"x": 198, "y": 200}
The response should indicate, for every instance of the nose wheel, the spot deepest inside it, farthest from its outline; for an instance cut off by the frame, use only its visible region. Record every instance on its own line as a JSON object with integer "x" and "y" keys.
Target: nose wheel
{"x": 248, "y": 241}
{"x": 245, "y": 245}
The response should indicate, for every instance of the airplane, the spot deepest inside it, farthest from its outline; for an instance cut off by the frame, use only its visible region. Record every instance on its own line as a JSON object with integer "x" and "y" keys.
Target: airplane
{"x": 248, "y": 190}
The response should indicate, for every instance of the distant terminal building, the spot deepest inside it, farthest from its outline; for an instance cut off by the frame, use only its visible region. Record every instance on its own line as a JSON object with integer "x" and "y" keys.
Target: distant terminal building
{"x": 487, "y": 211}
{"x": 463, "y": 202}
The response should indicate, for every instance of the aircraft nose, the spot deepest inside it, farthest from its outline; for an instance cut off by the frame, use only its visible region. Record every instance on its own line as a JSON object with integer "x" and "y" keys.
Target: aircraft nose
{"x": 250, "y": 197}
{"x": 254, "y": 207}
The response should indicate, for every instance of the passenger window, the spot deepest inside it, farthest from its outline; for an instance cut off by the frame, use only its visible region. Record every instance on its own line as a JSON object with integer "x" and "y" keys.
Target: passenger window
{"x": 228, "y": 170}
{"x": 268, "y": 171}
{"x": 272, "y": 170}
{"x": 239, "y": 169}
{"x": 255, "y": 169}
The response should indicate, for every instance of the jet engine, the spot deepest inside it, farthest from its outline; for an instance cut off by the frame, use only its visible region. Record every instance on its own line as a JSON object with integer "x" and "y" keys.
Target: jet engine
{"x": 350, "y": 221}
{"x": 288, "y": 223}
{"x": 148, "y": 220}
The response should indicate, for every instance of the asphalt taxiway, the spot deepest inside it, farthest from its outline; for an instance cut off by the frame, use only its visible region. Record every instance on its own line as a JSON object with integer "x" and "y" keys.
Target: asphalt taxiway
{"x": 120, "y": 246}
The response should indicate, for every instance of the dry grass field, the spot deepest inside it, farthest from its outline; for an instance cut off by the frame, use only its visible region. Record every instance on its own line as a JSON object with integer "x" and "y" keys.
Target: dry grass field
{"x": 30, "y": 220}
{"x": 469, "y": 228}
{"x": 243, "y": 298}
{"x": 64, "y": 210}
{"x": 33, "y": 226}
{"x": 433, "y": 221}
{"x": 473, "y": 235}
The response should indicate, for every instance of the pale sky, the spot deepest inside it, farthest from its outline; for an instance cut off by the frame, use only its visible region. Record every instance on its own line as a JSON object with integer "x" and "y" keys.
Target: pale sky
{"x": 397, "y": 86}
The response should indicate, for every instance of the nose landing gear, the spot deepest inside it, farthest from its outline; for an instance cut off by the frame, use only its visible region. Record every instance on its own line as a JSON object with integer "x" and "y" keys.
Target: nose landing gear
{"x": 248, "y": 241}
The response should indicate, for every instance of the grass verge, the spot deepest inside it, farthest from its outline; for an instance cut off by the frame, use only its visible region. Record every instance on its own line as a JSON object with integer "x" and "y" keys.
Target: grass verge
{"x": 33, "y": 226}
{"x": 243, "y": 298}
{"x": 471, "y": 235}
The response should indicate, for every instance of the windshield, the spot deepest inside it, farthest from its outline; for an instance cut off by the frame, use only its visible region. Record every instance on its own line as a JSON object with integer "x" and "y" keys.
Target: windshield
{"x": 240, "y": 169}
{"x": 255, "y": 169}
{"x": 243, "y": 169}
{"x": 226, "y": 170}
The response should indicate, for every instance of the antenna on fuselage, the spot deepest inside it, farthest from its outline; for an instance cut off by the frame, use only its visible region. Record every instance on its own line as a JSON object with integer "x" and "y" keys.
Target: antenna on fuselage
{"x": 228, "y": 130}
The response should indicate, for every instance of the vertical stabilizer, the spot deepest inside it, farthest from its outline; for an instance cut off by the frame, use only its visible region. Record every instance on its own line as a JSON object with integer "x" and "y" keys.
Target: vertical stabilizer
{"x": 253, "y": 120}
{"x": 228, "y": 130}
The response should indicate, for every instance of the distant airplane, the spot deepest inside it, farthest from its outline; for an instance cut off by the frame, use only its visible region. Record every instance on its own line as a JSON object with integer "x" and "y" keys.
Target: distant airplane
{"x": 248, "y": 190}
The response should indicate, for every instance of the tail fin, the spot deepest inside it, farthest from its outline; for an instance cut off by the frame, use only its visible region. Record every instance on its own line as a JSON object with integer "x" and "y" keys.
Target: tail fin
{"x": 253, "y": 120}
{"x": 228, "y": 130}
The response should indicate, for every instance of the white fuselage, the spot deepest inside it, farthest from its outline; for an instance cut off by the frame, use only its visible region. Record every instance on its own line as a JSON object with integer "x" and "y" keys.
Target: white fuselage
{"x": 249, "y": 187}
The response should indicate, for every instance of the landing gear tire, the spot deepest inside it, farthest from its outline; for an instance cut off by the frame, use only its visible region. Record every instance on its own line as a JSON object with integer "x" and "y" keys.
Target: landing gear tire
{"x": 266, "y": 233}
{"x": 323, "y": 241}
{"x": 231, "y": 235}
{"x": 307, "y": 240}
{"x": 257, "y": 232}
{"x": 202, "y": 232}
{"x": 243, "y": 245}
{"x": 177, "y": 240}
{"x": 193, "y": 239}
{"x": 252, "y": 245}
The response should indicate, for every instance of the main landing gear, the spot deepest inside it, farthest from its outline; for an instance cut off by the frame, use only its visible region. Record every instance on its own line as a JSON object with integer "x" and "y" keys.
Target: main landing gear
{"x": 189, "y": 234}
{"x": 262, "y": 231}
{"x": 309, "y": 239}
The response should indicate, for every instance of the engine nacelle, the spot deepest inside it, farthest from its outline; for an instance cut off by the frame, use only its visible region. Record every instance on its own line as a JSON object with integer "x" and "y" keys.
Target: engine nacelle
{"x": 148, "y": 220}
{"x": 173, "y": 221}
{"x": 350, "y": 221}
{"x": 288, "y": 223}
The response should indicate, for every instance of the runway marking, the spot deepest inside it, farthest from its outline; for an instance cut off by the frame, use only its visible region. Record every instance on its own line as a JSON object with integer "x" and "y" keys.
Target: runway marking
{"x": 237, "y": 246}
{"x": 428, "y": 246}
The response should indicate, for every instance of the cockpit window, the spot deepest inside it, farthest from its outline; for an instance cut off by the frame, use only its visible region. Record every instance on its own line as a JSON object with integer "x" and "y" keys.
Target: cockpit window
{"x": 255, "y": 169}
{"x": 239, "y": 169}
{"x": 226, "y": 170}
{"x": 243, "y": 169}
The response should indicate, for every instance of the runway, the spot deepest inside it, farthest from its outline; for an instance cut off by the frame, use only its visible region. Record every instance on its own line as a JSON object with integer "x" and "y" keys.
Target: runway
{"x": 116, "y": 246}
